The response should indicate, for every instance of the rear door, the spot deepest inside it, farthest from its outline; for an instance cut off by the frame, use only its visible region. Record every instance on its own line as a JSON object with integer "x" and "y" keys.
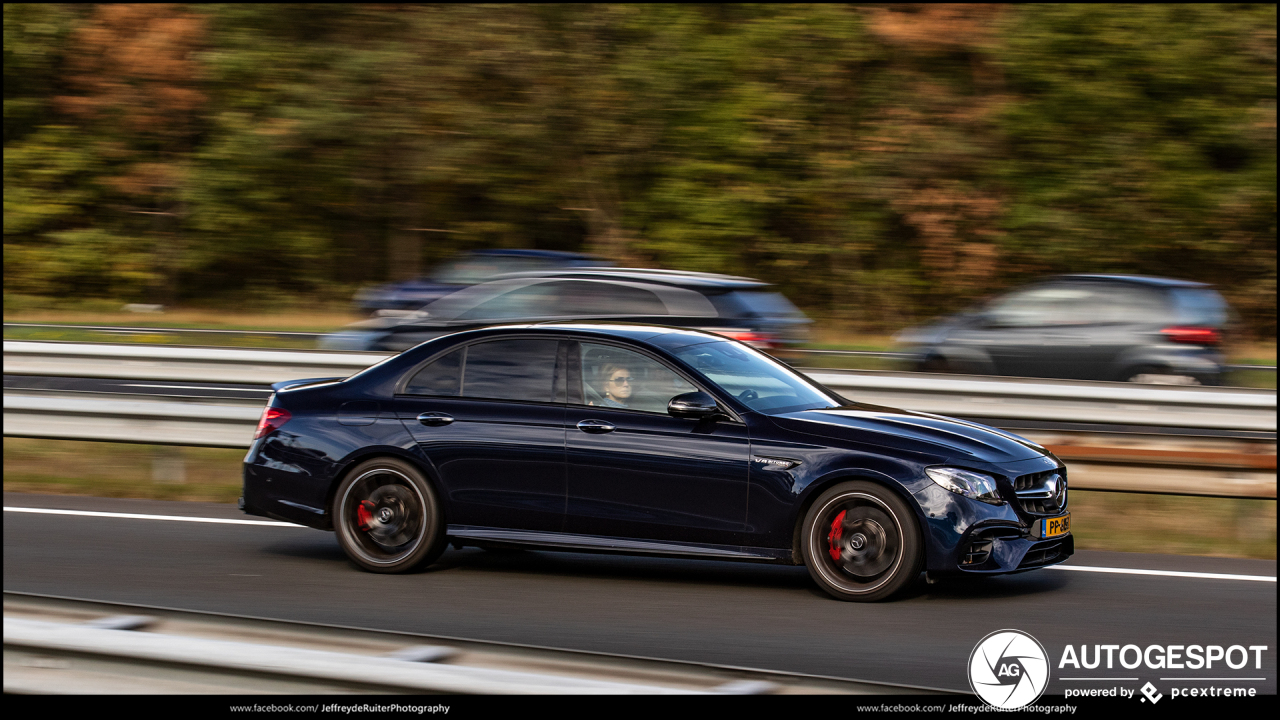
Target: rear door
{"x": 490, "y": 419}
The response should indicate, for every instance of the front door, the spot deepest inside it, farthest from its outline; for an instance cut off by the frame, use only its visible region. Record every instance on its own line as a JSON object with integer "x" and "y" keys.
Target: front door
{"x": 636, "y": 472}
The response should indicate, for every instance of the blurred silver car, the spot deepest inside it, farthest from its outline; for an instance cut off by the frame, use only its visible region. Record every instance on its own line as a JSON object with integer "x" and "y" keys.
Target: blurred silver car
{"x": 1086, "y": 327}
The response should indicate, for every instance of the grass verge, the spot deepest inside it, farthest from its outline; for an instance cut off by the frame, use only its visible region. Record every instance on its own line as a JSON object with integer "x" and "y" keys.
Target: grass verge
{"x": 1125, "y": 522}
{"x": 102, "y": 469}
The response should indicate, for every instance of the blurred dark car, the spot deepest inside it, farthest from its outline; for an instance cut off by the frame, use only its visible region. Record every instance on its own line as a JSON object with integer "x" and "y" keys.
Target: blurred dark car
{"x": 737, "y": 307}
{"x": 467, "y": 269}
{"x": 1086, "y": 327}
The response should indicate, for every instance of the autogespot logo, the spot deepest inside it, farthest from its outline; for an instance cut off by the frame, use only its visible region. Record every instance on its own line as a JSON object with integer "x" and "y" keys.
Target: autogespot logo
{"x": 1008, "y": 669}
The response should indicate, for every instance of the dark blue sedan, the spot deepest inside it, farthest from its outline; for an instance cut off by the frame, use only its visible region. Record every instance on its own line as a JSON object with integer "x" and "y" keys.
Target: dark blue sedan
{"x": 650, "y": 440}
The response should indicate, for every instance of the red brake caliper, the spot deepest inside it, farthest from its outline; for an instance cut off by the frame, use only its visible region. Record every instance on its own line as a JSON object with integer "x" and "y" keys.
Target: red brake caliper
{"x": 363, "y": 514}
{"x": 833, "y": 538}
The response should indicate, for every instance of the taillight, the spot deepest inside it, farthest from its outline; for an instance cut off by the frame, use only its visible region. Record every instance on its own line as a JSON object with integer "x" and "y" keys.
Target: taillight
{"x": 764, "y": 341}
{"x": 1193, "y": 335}
{"x": 271, "y": 420}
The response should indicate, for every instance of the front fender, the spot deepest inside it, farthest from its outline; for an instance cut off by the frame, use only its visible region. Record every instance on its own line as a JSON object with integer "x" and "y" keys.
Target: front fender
{"x": 835, "y": 477}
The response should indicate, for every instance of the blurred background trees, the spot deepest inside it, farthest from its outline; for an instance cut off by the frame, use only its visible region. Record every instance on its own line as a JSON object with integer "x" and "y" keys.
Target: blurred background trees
{"x": 880, "y": 163}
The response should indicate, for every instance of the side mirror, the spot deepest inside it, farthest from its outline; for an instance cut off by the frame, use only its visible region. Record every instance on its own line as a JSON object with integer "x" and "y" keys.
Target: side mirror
{"x": 693, "y": 406}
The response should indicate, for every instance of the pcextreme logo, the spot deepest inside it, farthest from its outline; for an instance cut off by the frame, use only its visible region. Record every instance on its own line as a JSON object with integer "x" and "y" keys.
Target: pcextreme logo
{"x": 1008, "y": 669}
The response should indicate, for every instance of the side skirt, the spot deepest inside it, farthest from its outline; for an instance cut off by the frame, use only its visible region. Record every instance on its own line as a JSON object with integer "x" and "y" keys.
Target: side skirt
{"x": 597, "y": 543}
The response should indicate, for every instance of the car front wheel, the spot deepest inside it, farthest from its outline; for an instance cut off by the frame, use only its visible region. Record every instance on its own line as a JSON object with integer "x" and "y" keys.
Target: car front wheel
{"x": 387, "y": 517}
{"x": 861, "y": 542}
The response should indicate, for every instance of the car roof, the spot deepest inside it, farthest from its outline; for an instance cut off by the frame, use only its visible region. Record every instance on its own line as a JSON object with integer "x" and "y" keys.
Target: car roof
{"x": 665, "y": 336}
{"x": 678, "y": 278}
{"x": 1134, "y": 279}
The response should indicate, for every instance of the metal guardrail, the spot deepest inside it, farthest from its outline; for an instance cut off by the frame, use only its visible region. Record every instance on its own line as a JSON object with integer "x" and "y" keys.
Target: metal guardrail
{"x": 161, "y": 362}
{"x": 137, "y": 420}
{"x": 148, "y": 650}
{"x": 113, "y": 329}
{"x": 1057, "y": 400}
{"x": 1212, "y": 466}
{"x": 880, "y": 355}
{"x": 968, "y": 396}
{"x": 316, "y": 665}
{"x": 118, "y": 330}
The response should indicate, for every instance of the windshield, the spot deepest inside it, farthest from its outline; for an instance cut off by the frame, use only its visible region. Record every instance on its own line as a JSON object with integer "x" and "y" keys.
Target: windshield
{"x": 755, "y": 379}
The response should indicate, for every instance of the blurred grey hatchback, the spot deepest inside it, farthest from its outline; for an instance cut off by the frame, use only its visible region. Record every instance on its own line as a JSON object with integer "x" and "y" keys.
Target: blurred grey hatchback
{"x": 1085, "y": 327}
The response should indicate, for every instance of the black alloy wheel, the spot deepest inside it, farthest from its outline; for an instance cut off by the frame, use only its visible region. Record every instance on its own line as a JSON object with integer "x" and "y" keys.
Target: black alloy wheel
{"x": 387, "y": 517}
{"x": 861, "y": 542}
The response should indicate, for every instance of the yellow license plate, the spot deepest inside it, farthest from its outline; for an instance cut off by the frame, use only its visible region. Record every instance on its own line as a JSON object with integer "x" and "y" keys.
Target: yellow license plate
{"x": 1053, "y": 527}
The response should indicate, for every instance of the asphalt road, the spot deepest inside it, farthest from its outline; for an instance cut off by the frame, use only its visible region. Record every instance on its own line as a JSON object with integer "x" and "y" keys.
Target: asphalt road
{"x": 726, "y": 613}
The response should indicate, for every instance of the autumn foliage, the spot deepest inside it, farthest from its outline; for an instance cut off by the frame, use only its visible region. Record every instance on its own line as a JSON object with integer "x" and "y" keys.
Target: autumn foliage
{"x": 881, "y": 163}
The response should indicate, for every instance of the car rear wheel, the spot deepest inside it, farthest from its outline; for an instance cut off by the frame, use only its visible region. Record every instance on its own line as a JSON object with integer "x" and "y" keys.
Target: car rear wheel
{"x": 387, "y": 517}
{"x": 1155, "y": 375}
{"x": 861, "y": 542}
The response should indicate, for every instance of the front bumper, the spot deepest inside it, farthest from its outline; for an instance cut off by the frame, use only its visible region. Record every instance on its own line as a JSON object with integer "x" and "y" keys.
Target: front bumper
{"x": 997, "y": 550}
{"x": 965, "y": 536}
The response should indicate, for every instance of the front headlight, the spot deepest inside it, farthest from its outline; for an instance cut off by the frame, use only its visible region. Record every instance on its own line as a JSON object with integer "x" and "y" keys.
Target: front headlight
{"x": 967, "y": 483}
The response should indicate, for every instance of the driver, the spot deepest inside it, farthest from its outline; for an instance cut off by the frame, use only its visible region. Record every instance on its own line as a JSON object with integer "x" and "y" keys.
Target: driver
{"x": 618, "y": 385}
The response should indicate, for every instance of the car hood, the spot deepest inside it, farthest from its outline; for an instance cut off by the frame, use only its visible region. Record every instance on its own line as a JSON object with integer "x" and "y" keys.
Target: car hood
{"x": 912, "y": 431}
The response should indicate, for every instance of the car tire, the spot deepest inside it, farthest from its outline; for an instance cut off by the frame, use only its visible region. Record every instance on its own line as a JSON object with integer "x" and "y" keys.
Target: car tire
{"x": 1157, "y": 375}
{"x": 861, "y": 542}
{"x": 1140, "y": 373}
{"x": 387, "y": 517}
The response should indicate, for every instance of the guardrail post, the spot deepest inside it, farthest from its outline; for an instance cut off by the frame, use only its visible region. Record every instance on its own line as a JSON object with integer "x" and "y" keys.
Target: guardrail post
{"x": 168, "y": 466}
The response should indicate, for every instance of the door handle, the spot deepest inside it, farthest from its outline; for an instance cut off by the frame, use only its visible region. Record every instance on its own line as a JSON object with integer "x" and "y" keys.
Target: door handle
{"x": 434, "y": 419}
{"x": 595, "y": 427}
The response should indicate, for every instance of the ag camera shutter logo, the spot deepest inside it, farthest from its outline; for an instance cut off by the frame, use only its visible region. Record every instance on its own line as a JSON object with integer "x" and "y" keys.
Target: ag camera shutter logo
{"x": 1008, "y": 669}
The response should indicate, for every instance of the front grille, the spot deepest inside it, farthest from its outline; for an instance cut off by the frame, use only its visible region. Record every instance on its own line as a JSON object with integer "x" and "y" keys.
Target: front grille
{"x": 1042, "y": 493}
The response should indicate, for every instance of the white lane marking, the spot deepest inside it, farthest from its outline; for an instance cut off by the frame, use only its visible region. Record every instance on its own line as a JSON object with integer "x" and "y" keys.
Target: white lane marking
{"x": 1166, "y": 573}
{"x": 1081, "y": 568}
{"x": 137, "y": 516}
{"x": 198, "y": 387}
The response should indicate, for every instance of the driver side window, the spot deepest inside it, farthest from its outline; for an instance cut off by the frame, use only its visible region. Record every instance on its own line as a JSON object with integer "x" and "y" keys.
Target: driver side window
{"x": 617, "y": 378}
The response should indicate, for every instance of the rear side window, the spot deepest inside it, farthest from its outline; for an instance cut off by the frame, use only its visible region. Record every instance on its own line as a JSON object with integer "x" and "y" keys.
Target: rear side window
{"x": 500, "y": 370}
{"x": 1045, "y": 305}
{"x": 1199, "y": 306}
{"x": 442, "y": 377}
{"x": 519, "y": 369}
{"x": 1127, "y": 304}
